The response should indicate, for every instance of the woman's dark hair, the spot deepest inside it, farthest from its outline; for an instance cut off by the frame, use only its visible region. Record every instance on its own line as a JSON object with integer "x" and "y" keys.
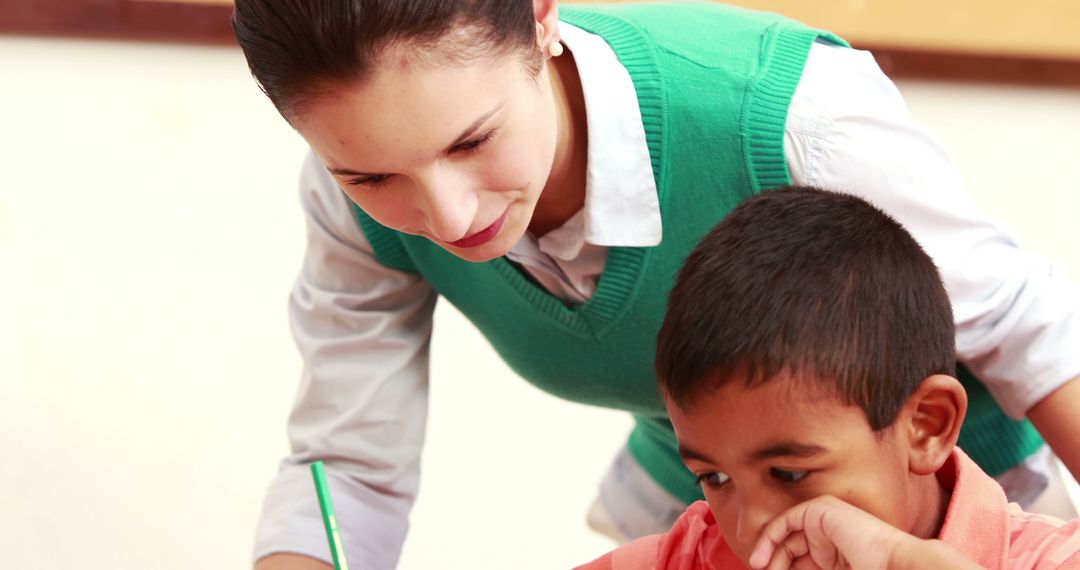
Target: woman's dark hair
{"x": 298, "y": 48}
{"x": 820, "y": 287}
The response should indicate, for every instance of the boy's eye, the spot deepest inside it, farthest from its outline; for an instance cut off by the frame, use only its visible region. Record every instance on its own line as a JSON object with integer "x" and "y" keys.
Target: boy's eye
{"x": 714, "y": 479}
{"x": 786, "y": 476}
{"x": 370, "y": 181}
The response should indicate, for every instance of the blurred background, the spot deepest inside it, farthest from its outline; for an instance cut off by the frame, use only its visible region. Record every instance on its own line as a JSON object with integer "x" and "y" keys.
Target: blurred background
{"x": 150, "y": 231}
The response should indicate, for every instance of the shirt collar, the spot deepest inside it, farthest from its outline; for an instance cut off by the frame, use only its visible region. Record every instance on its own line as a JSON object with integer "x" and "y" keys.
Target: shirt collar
{"x": 621, "y": 205}
{"x": 977, "y": 519}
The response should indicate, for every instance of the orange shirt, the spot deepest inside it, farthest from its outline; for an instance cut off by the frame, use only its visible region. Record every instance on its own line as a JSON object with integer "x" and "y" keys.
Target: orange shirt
{"x": 979, "y": 522}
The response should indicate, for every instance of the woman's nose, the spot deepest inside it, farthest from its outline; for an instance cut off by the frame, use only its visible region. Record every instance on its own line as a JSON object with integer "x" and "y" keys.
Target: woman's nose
{"x": 448, "y": 204}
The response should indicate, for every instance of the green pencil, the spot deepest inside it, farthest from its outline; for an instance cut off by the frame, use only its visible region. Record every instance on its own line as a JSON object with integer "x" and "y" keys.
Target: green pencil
{"x": 318, "y": 472}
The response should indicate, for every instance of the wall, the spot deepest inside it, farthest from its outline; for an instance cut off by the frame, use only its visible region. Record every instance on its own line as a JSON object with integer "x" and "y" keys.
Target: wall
{"x": 149, "y": 233}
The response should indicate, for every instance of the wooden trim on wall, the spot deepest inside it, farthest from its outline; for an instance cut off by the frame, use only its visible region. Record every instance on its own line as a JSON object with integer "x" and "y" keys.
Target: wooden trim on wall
{"x": 168, "y": 21}
{"x": 208, "y": 22}
{"x": 906, "y": 63}
{"x": 1031, "y": 28}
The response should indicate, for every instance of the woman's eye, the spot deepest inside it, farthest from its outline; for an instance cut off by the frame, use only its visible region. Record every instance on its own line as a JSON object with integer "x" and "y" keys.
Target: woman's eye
{"x": 786, "y": 476}
{"x": 714, "y": 479}
{"x": 474, "y": 144}
{"x": 370, "y": 181}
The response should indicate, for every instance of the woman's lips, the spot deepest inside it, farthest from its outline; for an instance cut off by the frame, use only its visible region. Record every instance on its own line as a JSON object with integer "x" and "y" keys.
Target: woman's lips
{"x": 483, "y": 236}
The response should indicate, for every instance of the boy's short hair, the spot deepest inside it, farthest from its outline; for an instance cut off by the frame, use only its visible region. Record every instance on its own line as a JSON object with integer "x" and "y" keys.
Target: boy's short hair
{"x": 821, "y": 286}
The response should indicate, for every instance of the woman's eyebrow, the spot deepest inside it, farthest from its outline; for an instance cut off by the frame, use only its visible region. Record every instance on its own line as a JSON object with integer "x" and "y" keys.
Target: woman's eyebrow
{"x": 347, "y": 172}
{"x": 468, "y": 132}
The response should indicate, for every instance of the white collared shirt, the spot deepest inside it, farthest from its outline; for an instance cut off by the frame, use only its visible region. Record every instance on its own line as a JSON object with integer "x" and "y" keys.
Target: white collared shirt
{"x": 363, "y": 329}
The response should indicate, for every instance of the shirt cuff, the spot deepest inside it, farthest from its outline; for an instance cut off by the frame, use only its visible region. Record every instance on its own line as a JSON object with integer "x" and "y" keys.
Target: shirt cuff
{"x": 372, "y": 525}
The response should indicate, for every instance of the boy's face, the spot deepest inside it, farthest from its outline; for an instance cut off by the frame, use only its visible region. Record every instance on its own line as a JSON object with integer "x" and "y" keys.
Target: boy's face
{"x": 761, "y": 451}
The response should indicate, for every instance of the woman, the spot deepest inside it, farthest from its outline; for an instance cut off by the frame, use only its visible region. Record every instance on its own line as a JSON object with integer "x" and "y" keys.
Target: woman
{"x": 548, "y": 178}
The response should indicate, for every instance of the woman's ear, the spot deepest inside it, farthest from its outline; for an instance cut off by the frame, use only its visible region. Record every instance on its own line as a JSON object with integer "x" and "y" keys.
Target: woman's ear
{"x": 546, "y": 13}
{"x": 931, "y": 421}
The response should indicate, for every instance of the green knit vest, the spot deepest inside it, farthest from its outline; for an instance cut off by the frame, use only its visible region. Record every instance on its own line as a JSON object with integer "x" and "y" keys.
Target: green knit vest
{"x": 713, "y": 84}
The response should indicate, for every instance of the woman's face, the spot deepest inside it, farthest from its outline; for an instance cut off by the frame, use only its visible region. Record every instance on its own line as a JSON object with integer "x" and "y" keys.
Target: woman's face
{"x": 457, "y": 153}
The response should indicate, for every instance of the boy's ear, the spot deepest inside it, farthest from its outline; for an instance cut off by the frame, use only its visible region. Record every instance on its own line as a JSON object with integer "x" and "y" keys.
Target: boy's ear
{"x": 931, "y": 420}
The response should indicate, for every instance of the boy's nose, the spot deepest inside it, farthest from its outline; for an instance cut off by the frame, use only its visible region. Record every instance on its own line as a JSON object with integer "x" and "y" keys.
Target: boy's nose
{"x": 448, "y": 204}
{"x": 752, "y": 518}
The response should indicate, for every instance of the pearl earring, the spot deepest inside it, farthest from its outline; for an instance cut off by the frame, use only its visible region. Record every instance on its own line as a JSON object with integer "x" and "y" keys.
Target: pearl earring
{"x": 554, "y": 48}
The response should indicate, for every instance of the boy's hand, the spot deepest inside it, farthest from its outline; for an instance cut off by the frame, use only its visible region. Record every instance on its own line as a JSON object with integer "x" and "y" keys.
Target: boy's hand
{"x": 828, "y": 533}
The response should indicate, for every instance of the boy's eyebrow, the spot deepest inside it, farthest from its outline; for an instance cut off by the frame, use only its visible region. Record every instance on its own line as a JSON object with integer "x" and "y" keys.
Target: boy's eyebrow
{"x": 786, "y": 449}
{"x": 687, "y": 453}
{"x": 468, "y": 132}
{"x": 782, "y": 449}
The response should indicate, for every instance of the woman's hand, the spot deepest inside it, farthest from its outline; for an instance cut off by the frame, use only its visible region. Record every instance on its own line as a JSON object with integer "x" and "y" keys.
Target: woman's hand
{"x": 828, "y": 533}
{"x": 284, "y": 561}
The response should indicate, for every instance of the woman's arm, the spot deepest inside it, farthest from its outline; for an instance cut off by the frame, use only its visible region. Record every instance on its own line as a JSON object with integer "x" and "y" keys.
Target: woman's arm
{"x": 363, "y": 332}
{"x": 1055, "y": 418}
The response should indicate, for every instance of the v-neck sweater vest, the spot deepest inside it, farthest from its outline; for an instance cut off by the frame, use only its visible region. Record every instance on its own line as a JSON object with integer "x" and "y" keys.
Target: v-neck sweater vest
{"x": 714, "y": 84}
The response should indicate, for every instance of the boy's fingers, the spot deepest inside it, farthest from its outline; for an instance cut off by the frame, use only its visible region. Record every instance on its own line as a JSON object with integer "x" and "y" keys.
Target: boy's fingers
{"x": 808, "y": 563}
{"x": 814, "y": 547}
{"x": 774, "y": 534}
{"x": 787, "y": 553}
{"x": 762, "y": 553}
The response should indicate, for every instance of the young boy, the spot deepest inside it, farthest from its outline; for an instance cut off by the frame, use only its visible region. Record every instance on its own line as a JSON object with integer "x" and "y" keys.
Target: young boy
{"x": 806, "y": 363}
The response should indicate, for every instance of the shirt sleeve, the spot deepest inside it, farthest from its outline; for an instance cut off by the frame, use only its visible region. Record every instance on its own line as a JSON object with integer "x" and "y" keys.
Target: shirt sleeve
{"x": 1039, "y": 542}
{"x": 363, "y": 331}
{"x": 694, "y": 541}
{"x": 637, "y": 555}
{"x": 1017, "y": 315}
